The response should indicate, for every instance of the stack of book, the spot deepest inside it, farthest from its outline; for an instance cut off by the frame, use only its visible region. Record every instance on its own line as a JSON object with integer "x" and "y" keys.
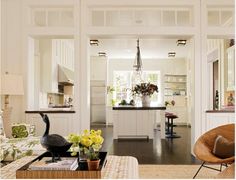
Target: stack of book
{"x": 66, "y": 163}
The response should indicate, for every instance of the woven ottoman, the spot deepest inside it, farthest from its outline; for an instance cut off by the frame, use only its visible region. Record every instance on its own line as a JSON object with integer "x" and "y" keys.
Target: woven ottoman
{"x": 117, "y": 167}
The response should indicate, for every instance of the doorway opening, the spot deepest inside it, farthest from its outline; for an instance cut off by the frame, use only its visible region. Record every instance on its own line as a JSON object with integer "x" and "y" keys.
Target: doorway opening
{"x": 111, "y": 65}
{"x": 50, "y": 80}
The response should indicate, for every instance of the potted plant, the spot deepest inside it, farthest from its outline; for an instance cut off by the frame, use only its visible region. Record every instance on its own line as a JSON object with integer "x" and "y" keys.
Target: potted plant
{"x": 145, "y": 90}
{"x": 87, "y": 145}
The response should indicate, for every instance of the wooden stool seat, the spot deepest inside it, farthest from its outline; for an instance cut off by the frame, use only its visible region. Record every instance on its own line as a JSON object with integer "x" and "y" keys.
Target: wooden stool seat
{"x": 173, "y": 116}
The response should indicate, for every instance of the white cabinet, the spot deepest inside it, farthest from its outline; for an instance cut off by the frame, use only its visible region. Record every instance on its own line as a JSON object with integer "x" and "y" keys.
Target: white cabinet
{"x": 133, "y": 123}
{"x": 98, "y": 101}
{"x": 143, "y": 128}
{"x": 231, "y": 68}
{"x": 60, "y": 123}
{"x": 98, "y": 75}
{"x": 109, "y": 115}
{"x": 126, "y": 123}
{"x": 217, "y": 119}
{"x": 98, "y": 68}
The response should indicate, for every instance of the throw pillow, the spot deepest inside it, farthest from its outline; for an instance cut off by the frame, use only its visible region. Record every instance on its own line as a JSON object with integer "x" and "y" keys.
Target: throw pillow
{"x": 223, "y": 148}
{"x": 19, "y": 131}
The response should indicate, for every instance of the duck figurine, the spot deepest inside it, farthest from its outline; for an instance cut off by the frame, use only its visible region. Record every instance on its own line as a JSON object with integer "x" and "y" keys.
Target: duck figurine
{"x": 54, "y": 143}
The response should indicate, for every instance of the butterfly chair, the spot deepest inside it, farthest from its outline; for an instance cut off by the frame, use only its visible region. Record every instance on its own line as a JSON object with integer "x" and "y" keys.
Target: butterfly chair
{"x": 203, "y": 148}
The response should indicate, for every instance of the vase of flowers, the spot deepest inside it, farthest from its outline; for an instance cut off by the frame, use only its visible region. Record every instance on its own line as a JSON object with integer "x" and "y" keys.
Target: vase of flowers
{"x": 87, "y": 145}
{"x": 146, "y": 100}
{"x": 145, "y": 90}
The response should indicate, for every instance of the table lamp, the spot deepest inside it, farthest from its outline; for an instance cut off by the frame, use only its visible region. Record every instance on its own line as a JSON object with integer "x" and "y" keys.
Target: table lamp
{"x": 11, "y": 85}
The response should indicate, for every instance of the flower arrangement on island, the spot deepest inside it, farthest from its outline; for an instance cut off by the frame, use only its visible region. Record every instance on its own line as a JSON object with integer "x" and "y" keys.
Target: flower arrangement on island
{"x": 144, "y": 89}
{"x": 89, "y": 142}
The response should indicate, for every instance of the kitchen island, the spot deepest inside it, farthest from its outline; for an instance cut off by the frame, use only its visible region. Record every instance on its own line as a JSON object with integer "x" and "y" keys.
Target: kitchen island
{"x": 137, "y": 122}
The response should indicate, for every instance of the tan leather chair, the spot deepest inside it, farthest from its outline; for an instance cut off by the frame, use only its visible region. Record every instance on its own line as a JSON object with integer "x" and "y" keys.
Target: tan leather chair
{"x": 204, "y": 146}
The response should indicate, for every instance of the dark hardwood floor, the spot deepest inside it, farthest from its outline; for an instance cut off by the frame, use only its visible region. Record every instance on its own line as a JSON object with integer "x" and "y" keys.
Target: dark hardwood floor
{"x": 156, "y": 151}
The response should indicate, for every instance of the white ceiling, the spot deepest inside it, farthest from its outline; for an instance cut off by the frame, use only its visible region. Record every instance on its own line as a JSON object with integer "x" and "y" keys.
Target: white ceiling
{"x": 150, "y": 48}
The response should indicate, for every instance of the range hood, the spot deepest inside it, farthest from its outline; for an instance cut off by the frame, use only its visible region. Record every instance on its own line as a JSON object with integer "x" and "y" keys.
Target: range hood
{"x": 65, "y": 76}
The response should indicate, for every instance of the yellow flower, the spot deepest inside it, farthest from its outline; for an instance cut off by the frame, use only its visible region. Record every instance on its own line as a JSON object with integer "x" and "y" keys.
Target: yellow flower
{"x": 93, "y": 138}
{"x": 99, "y": 132}
{"x": 86, "y": 132}
{"x": 86, "y": 142}
{"x": 73, "y": 153}
{"x": 96, "y": 147}
{"x": 74, "y": 138}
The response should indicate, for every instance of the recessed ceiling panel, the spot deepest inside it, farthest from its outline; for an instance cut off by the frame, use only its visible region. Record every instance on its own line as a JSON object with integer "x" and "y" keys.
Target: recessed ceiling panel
{"x": 150, "y": 48}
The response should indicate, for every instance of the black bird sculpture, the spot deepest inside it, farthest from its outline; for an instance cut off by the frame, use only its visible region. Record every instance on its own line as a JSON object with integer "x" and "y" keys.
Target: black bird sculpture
{"x": 54, "y": 143}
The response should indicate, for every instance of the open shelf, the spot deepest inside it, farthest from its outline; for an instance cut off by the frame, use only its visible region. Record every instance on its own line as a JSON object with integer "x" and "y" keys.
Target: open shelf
{"x": 175, "y": 85}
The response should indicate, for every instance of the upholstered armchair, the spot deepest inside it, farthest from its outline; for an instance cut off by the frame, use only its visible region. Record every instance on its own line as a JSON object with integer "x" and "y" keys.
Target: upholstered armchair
{"x": 203, "y": 148}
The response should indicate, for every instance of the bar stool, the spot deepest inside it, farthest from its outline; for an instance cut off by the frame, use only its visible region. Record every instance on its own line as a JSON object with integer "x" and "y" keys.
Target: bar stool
{"x": 171, "y": 116}
{"x": 168, "y": 123}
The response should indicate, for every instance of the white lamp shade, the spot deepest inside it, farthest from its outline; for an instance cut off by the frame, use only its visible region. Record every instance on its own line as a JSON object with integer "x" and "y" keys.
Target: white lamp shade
{"x": 12, "y": 84}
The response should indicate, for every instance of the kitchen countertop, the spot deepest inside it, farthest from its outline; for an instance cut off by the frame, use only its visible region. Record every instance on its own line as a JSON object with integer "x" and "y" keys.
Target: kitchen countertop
{"x": 138, "y": 108}
{"x": 221, "y": 111}
{"x": 52, "y": 110}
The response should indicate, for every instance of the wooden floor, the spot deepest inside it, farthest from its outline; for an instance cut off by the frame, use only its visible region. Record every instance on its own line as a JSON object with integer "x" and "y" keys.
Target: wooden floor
{"x": 156, "y": 151}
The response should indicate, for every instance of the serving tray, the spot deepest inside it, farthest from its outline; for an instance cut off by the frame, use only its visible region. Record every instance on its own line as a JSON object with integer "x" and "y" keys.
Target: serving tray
{"x": 25, "y": 173}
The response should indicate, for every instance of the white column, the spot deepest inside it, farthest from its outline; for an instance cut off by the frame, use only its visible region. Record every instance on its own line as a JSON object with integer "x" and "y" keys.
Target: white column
{"x": 204, "y": 69}
{"x": 0, "y": 54}
{"x": 77, "y": 105}
{"x": 84, "y": 70}
{"x": 197, "y": 83}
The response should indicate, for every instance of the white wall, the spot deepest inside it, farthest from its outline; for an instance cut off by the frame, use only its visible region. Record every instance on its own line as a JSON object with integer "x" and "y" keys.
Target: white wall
{"x": 11, "y": 44}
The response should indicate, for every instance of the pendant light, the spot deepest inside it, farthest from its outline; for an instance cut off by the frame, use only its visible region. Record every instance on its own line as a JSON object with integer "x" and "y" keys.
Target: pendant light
{"x": 137, "y": 67}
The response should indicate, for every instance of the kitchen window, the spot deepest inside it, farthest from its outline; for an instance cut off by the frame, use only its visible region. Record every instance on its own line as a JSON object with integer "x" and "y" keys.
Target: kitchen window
{"x": 122, "y": 85}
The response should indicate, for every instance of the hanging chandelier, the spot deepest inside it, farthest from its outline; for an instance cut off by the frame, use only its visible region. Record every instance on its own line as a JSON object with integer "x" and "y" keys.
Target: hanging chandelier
{"x": 138, "y": 62}
{"x": 137, "y": 67}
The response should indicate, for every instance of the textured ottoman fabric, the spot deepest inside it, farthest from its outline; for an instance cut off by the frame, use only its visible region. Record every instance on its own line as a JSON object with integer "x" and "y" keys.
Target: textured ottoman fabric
{"x": 117, "y": 167}
{"x": 9, "y": 171}
{"x": 121, "y": 167}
